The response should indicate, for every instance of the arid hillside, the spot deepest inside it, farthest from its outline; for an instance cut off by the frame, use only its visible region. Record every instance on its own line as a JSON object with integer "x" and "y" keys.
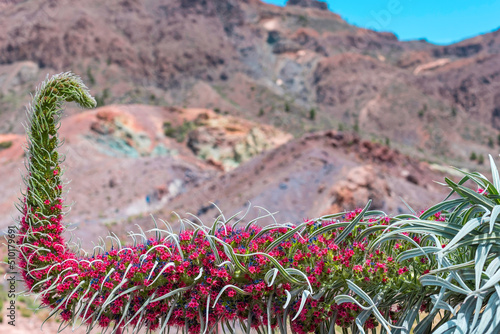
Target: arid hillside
{"x": 239, "y": 105}
{"x": 300, "y": 68}
{"x": 125, "y": 162}
{"x": 238, "y": 102}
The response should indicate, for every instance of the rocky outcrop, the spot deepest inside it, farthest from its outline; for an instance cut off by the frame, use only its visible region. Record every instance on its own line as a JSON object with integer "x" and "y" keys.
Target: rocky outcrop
{"x": 115, "y": 129}
{"x": 228, "y": 141}
{"x": 360, "y": 185}
{"x": 18, "y": 74}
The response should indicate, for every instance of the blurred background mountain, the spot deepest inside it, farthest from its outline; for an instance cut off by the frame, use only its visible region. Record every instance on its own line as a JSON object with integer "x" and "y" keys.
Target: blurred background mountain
{"x": 231, "y": 101}
{"x": 237, "y": 102}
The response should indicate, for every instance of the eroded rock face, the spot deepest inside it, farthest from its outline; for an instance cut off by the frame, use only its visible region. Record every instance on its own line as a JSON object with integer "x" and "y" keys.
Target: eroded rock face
{"x": 118, "y": 132}
{"x": 361, "y": 184}
{"x": 308, "y": 4}
{"x": 227, "y": 141}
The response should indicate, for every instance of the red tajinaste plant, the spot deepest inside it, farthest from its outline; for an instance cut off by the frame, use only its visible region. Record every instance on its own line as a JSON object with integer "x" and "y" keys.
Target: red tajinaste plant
{"x": 310, "y": 276}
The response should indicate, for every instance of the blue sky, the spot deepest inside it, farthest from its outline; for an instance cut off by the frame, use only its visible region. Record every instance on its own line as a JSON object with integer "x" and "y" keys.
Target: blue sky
{"x": 439, "y": 21}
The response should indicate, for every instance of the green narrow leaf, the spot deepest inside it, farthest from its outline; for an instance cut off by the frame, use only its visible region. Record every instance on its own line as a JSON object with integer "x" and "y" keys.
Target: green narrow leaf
{"x": 354, "y": 222}
{"x": 443, "y": 206}
{"x": 410, "y": 317}
{"x": 370, "y": 230}
{"x": 285, "y": 236}
{"x": 423, "y": 327}
{"x": 408, "y": 206}
{"x": 267, "y": 229}
{"x": 363, "y": 316}
{"x": 471, "y": 195}
{"x": 282, "y": 270}
{"x": 171, "y": 293}
{"x": 455, "y": 216}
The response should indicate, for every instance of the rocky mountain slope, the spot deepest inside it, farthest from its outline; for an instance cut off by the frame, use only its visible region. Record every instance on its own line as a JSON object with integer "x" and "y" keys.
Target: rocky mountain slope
{"x": 262, "y": 76}
{"x": 315, "y": 175}
{"x": 242, "y": 104}
{"x": 300, "y": 68}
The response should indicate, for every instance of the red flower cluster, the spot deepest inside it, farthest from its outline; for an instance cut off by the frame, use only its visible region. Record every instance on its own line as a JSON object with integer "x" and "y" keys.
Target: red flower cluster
{"x": 217, "y": 277}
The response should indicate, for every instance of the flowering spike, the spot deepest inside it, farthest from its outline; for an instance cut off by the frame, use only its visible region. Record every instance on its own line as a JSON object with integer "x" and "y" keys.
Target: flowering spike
{"x": 257, "y": 277}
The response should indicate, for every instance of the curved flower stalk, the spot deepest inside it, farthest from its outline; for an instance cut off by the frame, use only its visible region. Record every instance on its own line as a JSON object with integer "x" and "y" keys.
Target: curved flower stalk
{"x": 465, "y": 245}
{"x": 312, "y": 277}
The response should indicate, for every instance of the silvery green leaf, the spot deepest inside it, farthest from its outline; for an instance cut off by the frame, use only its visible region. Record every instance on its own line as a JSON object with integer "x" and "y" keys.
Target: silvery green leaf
{"x": 409, "y": 319}
{"x": 305, "y": 294}
{"x": 492, "y": 281}
{"x": 493, "y": 217}
{"x": 463, "y": 316}
{"x": 481, "y": 255}
{"x": 442, "y": 305}
{"x": 237, "y": 289}
{"x": 285, "y": 236}
{"x": 448, "y": 326}
{"x": 438, "y": 281}
{"x": 471, "y": 195}
{"x": 414, "y": 252}
{"x": 363, "y": 316}
{"x": 272, "y": 272}
{"x": 477, "y": 311}
{"x": 465, "y": 230}
{"x": 493, "y": 266}
{"x": 171, "y": 293}
{"x": 489, "y": 316}
{"x": 328, "y": 228}
{"x": 479, "y": 179}
{"x": 282, "y": 270}
{"x": 493, "y": 238}
{"x": 357, "y": 290}
{"x": 494, "y": 173}
{"x": 269, "y": 228}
